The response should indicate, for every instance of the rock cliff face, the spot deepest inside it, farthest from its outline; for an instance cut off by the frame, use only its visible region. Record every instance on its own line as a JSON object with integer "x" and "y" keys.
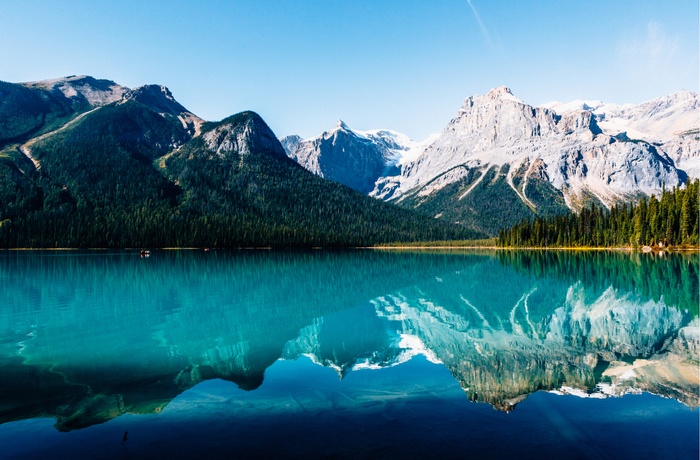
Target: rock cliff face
{"x": 353, "y": 158}
{"x": 671, "y": 123}
{"x": 243, "y": 134}
{"x": 580, "y": 159}
{"x": 520, "y": 159}
{"x": 159, "y": 99}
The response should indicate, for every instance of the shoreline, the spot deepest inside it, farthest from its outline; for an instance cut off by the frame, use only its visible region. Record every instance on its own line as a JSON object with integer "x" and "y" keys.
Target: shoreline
{"x": 533, "y": 248}
{"x": 392, "y": 247}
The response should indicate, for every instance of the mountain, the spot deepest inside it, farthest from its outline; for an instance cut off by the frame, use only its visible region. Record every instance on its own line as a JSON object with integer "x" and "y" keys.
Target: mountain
{"x": 79, "y": 155}
{"x": 159, "y": 99}
{"x": 501, "y": 160}
{"x": 669, "y": 122}
{"x": 83, "y": 89}
{"x": 87, "y": 162}
{"x": 350, "y": 157}
{"x": 535, "y": 162}
{"x": 88, "y": 155}
{"x": 29, "y": 109}
{"x": 239, "y": 173}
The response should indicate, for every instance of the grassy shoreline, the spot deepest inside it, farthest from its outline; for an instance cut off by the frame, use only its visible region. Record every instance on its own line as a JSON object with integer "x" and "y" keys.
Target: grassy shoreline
{"x": 491, "y": 244}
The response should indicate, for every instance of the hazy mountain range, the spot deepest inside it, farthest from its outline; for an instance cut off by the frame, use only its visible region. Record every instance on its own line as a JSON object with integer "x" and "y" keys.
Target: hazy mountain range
{"x": 500, "y": 160}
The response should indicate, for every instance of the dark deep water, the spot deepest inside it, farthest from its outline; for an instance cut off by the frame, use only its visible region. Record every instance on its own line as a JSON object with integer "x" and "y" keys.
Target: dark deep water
{"x": 362, "y": 354}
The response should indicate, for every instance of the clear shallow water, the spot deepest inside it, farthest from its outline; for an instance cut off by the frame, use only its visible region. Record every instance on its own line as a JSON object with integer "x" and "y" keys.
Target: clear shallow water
{"x": 440, "y": 354}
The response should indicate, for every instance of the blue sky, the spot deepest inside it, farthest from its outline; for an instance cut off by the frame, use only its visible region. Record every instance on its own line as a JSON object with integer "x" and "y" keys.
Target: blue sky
{"x": 400, "y": 64}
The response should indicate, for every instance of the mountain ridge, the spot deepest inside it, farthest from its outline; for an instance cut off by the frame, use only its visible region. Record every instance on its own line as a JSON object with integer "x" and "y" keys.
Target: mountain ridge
{"x": 588, "y": 152}
{"x": 108, "y": 166}
{"x": 354, "y": 158}
{"x": 497, "y": 162}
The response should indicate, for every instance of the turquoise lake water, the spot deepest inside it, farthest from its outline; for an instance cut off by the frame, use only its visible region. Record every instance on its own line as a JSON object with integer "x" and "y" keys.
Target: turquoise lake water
{"x": 355, "y": 354}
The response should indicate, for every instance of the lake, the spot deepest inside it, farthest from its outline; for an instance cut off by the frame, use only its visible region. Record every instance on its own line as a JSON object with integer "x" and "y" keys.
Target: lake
{"x": 358, "y": 353}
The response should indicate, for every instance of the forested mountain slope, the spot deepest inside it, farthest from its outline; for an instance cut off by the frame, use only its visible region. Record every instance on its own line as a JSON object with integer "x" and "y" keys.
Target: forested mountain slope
{"x": 501, "y": 160}
{"x": 140, "y": 170}
{"x": 672, "y": 220}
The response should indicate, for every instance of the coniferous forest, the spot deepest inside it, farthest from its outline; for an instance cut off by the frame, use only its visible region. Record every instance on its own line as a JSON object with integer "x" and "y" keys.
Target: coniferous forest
{"x": 672, "y": 219}
{"x": 113, "y": 180}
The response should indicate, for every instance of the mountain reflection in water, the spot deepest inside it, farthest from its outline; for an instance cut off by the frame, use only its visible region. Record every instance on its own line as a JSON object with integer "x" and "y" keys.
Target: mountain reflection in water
{"x": 86, "y": 337}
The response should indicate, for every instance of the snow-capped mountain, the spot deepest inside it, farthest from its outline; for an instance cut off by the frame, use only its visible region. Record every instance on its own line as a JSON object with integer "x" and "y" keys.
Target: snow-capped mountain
{"x": 580, "y": 158}
{"x": 500, "y": 160}
{"x": 671, "y": 122}
{"x": 351, "y": 157}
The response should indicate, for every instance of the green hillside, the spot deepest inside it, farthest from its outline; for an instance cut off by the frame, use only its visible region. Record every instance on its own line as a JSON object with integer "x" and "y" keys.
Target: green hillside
{"x": 126, "y": 175}
{"x": 484, "y": 201}
{"x": 263, "y": 196}
{"x": 25, "y": 112}
{"x": 671, "y": 220}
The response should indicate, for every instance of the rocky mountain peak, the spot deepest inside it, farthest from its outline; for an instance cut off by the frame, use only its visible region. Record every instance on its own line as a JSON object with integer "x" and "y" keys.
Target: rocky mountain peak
{"x": 581, "y": 122}
{"x": 244, "y": 134}
{"x": 290, "y": 143}
{"x": 156, "y": 90}
{"x": 500, "y": 118}
{"x": 159, "y": 99}
{"x": 95, "y": 92}
{"x": 502, "y": 93}
{"x": 493, "y": 99}
{"x": 340, "y": 132}
{"x": 683, "y": 95}
{"x": 353, "y": 158}
{"x": 340, "y": 124}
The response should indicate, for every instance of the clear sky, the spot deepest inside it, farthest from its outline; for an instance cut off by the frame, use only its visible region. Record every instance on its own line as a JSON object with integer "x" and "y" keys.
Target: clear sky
{"x": 406, "y": 65}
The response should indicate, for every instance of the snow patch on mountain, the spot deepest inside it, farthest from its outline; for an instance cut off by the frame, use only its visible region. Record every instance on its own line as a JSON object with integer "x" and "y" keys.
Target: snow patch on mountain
{"x": 581, "y": 158}
{"x": 672, "y": 123}
{"x": 656, "y": 120}
{"x": 352, "y": 157}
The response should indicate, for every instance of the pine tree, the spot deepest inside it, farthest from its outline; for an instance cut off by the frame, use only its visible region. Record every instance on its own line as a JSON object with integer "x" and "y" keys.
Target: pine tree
{"x": 674, "y": 219}
{"x": 653, "y": 218}
{"x": 640, "y": 222}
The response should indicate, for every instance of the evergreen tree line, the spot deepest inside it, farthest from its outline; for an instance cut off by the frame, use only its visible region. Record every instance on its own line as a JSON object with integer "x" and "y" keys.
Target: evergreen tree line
{"x": 102, "y": 184}
{"x": 671, "y": 220}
